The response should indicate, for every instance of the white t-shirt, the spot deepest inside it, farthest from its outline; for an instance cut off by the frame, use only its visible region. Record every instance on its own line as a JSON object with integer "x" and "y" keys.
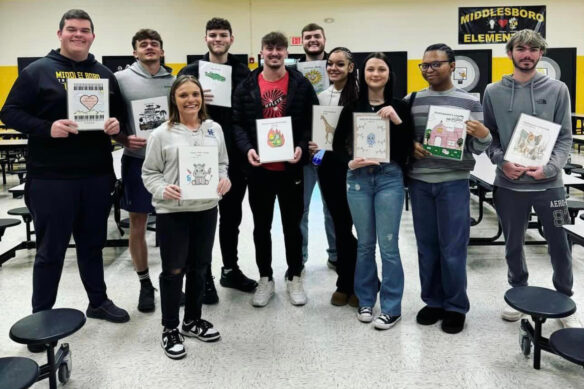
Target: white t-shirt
{"x": 329, "y": 96}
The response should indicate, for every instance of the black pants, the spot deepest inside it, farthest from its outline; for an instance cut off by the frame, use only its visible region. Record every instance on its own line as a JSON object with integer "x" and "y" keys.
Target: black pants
{"x": 230, "y": 217}
{"x": 60, "y": 208}
{"x": 333, "y": 185}
{"x": 186, "y": 246}
{"x": 264, "y": 187}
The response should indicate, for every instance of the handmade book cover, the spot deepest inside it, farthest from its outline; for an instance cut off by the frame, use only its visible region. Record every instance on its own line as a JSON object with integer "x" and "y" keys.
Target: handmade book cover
{"x": 446, "y": 132}
{"x": 315, "y": 72}
{"x": 149, "y": 114}
{"x": 275, "y": 139}
{"x": 371, "y": 137}
{"x": 198, "y": 172}
{"x": 216, "y": 77}
{"x": 324, "y": 122}
{"x": 532, "y": 141}
{"x": 88, "y": 102}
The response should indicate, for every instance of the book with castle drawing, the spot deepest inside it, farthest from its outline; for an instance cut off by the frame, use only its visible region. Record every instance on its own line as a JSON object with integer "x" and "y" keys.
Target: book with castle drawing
{"x": 445, "y": 133}
{"x": 324, "y": 123}
{"x": 198, "y": 174}
{"x": 532, "y": 141}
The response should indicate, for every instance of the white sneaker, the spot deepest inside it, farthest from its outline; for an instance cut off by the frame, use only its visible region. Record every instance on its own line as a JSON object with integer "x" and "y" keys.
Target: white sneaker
{"x": 365, "y": 314}
{"x": 263, "y": 293}
{"x": 571, "y": 321}
{"x": 511, "y": 314}
{"x": 296, "y": 291}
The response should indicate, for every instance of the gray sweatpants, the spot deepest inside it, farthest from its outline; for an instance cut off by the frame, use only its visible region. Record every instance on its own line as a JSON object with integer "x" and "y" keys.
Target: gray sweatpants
{"x": 513, "y": 209}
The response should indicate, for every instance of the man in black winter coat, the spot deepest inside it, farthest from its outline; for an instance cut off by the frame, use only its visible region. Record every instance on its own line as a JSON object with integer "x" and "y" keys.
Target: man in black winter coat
{"x": 219, "y": 38}
{"x": 275, "y": 91}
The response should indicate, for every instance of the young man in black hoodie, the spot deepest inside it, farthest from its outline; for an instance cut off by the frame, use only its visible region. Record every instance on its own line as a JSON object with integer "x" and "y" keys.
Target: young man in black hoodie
{"x": 268, "y": 92}
{"x": 70, "y": 173}
{"x": 219, "y": 38}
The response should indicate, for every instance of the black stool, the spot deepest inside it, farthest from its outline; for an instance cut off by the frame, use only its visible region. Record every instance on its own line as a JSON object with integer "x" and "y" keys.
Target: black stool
{"x": 541, "y": 304}
{"x": 18, "y": 372}
{"x": 26, "y": 217}
{"x": 569, "y": 344}
{"x": 5, "y": 223}
{"x": 574, "y": 207}
{"x": 46, "y": 328}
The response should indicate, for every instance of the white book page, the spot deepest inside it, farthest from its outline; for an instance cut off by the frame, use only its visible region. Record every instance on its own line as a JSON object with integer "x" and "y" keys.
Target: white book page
{"x": 533, "y": 141}
{"x": 275, "y": 139}
{"x": 324, "y": 123}
{"x": 315, "y": 72}
{"x": 149, "y": 114}
{"x": 198, "y": 172}
{"x": 88, "y": 102}
{"x": 370, "y": 137}
{"x": 216, "y": 77}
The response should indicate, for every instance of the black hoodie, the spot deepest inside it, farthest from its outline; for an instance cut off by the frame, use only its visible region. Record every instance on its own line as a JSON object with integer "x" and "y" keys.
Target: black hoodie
{"x": 38, "y": 98}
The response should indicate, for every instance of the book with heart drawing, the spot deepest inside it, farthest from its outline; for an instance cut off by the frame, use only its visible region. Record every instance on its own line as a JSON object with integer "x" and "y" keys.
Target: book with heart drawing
{"x": 88, "y": 102}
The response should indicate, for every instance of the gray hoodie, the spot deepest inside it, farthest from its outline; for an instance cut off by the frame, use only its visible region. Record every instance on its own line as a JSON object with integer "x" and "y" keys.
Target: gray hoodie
{"x": 543, "y": 97}
{"x": 136, "y": 83}
{"x": 160, "y": 167}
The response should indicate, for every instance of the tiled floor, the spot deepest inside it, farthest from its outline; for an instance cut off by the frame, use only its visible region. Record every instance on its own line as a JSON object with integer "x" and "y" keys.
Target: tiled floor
{"x": 317, "y": 345}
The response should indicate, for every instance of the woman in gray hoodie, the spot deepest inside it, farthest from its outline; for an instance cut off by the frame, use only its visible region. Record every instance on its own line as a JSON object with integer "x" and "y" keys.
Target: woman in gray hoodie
{"x": 186, "y": 228}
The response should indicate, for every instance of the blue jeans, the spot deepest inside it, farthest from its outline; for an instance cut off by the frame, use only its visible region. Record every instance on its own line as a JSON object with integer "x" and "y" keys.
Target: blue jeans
{"x": 310, "y": 180}
{"x": 441, "y": 216}
{"x": 376, "y": 197}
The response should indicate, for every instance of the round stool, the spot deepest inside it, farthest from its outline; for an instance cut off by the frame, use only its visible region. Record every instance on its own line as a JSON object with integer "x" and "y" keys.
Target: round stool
{"x": 47, "y": 328}
{"x": 17, "y": 372}
{"x": 24, "y": 213}
{"x": 541, "y": 304}
{"x": 569, "y": 343}
{"x": 5, "y": 223}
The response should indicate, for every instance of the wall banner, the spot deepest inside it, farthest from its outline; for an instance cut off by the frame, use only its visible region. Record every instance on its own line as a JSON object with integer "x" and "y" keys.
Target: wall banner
{"x": 482, "y": 25}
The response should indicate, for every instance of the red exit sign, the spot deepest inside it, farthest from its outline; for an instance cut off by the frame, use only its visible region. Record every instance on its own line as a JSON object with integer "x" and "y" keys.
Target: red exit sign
{"x": 295, "y": 41}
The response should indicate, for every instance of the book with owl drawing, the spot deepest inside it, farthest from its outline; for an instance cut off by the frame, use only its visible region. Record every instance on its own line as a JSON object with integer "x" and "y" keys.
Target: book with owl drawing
{"x": 371, "y": 137}
{"x": 532, "y": 141}
{"x": 198, "y": 172}
{"x": 445, "y": 132}
{"x": 275, "y": 140}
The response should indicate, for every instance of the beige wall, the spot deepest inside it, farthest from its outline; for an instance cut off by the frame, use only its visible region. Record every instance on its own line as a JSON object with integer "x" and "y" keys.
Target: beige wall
{"x": 28, "y": 27}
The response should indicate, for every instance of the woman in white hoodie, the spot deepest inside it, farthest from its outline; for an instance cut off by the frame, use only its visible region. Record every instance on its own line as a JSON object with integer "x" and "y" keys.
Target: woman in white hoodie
{"x": 186, "y": 228}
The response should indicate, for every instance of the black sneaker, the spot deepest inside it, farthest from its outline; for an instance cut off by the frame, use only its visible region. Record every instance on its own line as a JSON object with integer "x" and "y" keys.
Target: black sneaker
{"x": 237, "y": 280}
{"x": 172, "y": 343}
{"x": 108, "y": 311}
{"x": 453, "y": 322}
{"x": 210, "y": 294}
{"x": 146, "y": 299}
{"x": 385, "y": 322}
{"x": 200, "y": 329}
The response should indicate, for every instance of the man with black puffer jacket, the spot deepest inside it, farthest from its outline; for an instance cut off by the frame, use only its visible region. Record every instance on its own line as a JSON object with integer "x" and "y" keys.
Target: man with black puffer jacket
{"x": 70, "y": 172}
{"x": 219, "y": 38}
{"x": 268, "y": 92}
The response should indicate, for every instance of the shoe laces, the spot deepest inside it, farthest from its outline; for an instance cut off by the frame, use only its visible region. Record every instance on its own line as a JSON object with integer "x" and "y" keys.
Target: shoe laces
{"x": 365, "y": 311}
{"x": 203, "y": 324}
{"x": 174, "y": 337}
{"x": 384, "y": 318}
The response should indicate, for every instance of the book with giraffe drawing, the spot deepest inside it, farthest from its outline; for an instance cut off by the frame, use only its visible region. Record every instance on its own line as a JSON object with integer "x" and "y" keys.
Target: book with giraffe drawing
{"x": 324, "y": 123}
{"x": 445, "y": 132}
{"x": 88, "y": 102}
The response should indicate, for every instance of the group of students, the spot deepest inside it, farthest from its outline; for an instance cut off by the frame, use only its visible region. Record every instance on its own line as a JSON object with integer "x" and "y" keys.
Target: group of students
{"x": 71, "y": 175}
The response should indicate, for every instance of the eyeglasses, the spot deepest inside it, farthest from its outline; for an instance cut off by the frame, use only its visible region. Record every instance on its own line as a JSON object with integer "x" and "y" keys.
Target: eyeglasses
{"x": 434, "y": 65}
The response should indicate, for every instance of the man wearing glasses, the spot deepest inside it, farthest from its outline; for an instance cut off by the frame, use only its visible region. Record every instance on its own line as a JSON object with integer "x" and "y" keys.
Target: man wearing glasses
{"x": 440, "y": 195}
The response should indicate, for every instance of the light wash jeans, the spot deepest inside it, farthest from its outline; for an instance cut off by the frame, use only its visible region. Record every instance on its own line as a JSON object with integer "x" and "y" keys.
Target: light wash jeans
{"x": 376, "y": 197}
{"x": 310, "y": 180}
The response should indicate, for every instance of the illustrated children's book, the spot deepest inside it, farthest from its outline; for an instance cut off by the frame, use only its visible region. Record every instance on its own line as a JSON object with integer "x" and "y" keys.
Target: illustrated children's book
{"x": 446, "y": 132}
{"x": 198, "y": 172}
{"x": 149, "y": 114}
{"x": 324, "y": 123}
{"x": 216, "y": 77}
{"x": 532, "y": 141}
{"x": 88, "y": 102}
{"x": 370, "y": 137}
{"x": 315, "y": 72}
{"x": 275, "y": 140}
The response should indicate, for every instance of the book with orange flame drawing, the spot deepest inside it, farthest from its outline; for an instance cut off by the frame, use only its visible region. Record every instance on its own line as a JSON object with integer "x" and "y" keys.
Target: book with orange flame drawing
{"x": 275, "y": 140}
{"x": 88, "y": 102}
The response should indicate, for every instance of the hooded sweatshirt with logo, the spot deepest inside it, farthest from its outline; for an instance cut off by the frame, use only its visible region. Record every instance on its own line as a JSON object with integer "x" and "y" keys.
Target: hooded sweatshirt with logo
{"x": 136, "y": 83}
{"x": 543, "y": 97}
{"x": 39, "y": 97}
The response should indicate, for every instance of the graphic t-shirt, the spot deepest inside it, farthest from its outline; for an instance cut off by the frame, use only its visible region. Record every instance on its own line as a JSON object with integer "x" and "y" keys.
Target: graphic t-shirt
{"x": 274, "y": 97}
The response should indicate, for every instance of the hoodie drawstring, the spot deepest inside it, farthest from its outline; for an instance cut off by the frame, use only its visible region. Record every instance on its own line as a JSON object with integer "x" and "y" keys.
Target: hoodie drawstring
{"x": 512, "y": 95}
{"x": 510, "y": 109}
{"x": 532, "y": 99}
